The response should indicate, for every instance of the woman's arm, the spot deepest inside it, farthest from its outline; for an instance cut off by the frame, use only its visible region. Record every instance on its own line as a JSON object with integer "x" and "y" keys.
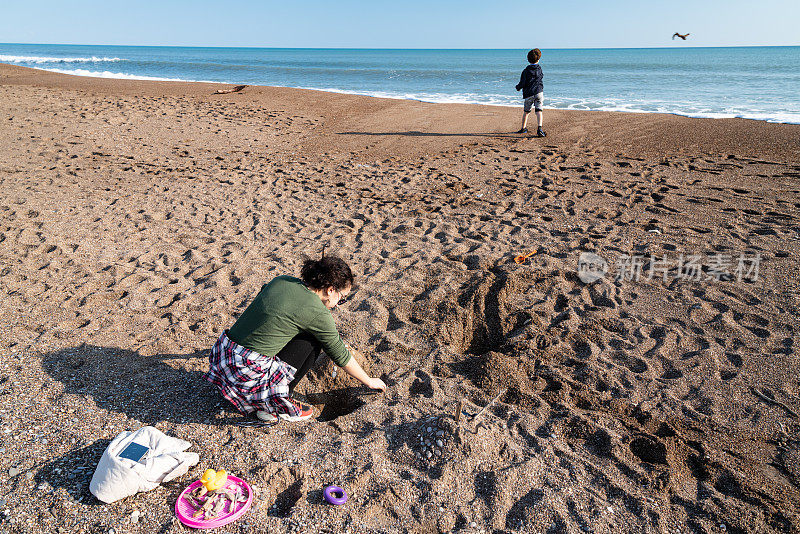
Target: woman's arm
{"x": 354, "y": 369}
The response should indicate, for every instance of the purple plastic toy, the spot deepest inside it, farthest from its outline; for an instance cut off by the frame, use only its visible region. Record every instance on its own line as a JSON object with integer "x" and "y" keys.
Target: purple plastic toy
{"x": 335, "y": 495}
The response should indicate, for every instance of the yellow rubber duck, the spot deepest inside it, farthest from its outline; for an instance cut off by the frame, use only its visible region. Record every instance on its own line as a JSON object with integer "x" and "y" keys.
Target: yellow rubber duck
{"x": 214, "y": 480}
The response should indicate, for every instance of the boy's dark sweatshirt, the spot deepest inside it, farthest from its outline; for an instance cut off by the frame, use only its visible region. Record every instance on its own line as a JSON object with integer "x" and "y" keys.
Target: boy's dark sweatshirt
{"x": 531, "y": 81}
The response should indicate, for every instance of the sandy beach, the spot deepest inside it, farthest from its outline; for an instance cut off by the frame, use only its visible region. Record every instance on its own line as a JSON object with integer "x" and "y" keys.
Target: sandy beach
{"x": 138, "y": 219}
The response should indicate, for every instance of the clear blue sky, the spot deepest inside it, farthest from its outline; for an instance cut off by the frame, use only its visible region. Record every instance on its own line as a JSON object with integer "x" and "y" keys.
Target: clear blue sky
{"x": 403, "y": 24}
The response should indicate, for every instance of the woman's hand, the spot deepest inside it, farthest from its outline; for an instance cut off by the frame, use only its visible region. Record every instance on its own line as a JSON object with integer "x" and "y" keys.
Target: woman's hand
{"x": 376, "y": 383}
{"x": 353, "y": 368}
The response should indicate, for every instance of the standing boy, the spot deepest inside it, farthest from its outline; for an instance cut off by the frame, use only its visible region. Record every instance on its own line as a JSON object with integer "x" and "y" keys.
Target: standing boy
{"x": 532, "y": 91}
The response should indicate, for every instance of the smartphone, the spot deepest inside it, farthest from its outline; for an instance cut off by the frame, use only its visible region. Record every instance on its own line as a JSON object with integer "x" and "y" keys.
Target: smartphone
{"x": 134, "y": 452}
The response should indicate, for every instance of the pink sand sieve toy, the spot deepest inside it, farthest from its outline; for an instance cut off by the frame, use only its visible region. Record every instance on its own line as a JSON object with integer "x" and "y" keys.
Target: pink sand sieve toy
{"x": 211, "y": 509}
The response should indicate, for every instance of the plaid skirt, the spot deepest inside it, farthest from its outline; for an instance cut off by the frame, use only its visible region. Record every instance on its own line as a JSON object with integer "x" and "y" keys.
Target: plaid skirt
{"x": 251, "y": 381}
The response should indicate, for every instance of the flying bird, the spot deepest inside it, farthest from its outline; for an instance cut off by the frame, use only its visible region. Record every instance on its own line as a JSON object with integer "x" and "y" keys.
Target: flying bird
{"x": 684, "y": 36}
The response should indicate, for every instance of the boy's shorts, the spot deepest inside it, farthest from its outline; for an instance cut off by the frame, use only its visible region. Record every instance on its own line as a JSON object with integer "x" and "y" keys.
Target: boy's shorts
{"x": 534, "y": 102}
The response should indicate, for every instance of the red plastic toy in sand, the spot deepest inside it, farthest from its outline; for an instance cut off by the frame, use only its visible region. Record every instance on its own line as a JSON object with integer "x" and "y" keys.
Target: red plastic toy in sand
{"x": 230, "y": 511}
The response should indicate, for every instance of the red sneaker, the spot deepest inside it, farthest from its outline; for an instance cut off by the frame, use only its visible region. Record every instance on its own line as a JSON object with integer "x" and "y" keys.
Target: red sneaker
{"x": 306, "y": 412}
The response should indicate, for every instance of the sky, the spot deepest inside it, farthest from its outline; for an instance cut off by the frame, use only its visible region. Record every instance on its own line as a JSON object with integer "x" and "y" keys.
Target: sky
{"x": 404, "y": 24}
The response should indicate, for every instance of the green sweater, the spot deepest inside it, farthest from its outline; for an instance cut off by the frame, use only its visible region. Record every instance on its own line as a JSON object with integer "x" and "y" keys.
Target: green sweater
{"x": 282, "y": 309}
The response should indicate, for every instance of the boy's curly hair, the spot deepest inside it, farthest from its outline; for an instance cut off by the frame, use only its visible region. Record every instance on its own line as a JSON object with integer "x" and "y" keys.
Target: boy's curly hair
{"x": 534, "y": 55}
{"x": 326, "y": 272}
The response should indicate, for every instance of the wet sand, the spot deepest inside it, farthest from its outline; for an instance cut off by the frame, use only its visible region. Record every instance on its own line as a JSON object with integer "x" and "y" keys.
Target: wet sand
{"x": 138, "y": 219}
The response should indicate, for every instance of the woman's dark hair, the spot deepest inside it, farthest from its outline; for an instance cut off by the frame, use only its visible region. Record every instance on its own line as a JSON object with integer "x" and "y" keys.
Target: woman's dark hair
{"x": 534, "y": 55}
{"x": 326, "y": 272}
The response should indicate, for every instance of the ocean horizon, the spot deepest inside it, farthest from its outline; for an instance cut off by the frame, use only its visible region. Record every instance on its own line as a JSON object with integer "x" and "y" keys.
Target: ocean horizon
{"x": 713, "y": 82}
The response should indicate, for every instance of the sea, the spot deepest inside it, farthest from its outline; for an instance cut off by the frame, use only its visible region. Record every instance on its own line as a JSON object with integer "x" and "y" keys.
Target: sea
{"x": 760, "y": 83}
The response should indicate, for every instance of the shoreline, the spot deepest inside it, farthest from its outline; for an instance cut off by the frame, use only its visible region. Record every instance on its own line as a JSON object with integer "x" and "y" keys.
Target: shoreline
{"x": 134, "y": 77}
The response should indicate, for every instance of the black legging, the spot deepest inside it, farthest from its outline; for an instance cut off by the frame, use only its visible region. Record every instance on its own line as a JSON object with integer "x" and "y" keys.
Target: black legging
{"x": 301, "y": 353}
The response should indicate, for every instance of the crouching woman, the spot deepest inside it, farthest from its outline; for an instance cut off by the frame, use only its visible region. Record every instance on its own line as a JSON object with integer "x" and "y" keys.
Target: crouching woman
{"x": 259, "y": 361}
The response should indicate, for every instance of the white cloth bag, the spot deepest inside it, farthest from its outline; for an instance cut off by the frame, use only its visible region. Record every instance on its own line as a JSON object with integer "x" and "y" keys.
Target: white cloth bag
{"x": 116, "y": 478}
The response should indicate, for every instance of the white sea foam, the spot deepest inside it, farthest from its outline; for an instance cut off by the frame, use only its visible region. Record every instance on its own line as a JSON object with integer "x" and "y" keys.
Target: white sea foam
{"x": 434, "y": 98}
{"x": 577, "y": 104}
{"x": 117, "y": 75}
{"x": 44, "y": 59}
{"x": 783, "y": 118}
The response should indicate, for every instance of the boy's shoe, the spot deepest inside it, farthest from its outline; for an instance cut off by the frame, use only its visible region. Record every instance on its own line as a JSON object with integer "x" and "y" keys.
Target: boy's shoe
{"x": 306, "y": 412}
{"x": 524, "y": 130}
{"x": 540, "y": 133}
